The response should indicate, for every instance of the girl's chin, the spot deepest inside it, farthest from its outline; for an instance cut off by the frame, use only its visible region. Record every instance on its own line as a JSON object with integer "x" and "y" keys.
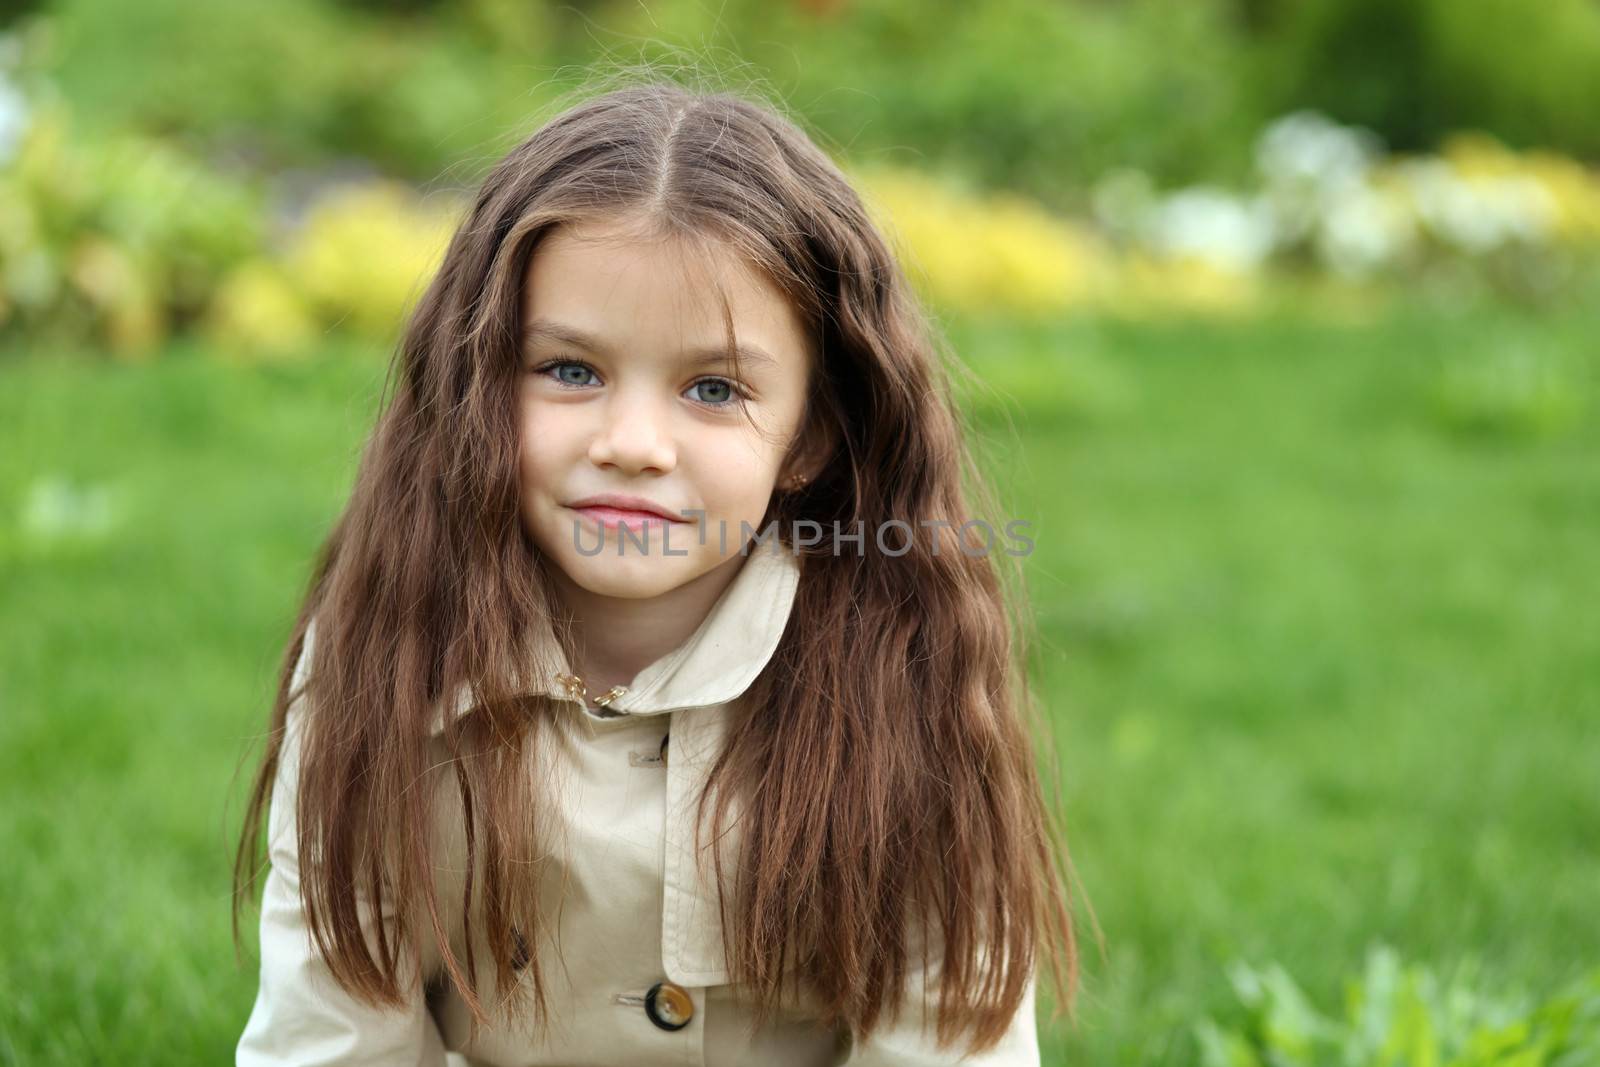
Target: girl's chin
{"x": 629, "y": 579}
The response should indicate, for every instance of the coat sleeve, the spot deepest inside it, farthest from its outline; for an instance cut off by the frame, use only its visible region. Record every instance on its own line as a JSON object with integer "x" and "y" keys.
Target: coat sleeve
{"x": 909, "y": 1039}
{"x": 302, "y": 1016}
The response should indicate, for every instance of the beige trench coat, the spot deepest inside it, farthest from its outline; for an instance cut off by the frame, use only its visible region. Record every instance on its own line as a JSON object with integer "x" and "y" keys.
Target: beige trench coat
{"x": 635, "y": 908}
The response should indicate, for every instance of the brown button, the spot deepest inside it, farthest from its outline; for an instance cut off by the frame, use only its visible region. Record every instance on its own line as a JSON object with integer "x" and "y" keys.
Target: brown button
{"x": 669, "y": 1005}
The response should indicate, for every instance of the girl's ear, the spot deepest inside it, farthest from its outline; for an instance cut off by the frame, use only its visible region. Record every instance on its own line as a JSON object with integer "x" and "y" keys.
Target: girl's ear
{"x": 809, "y": 456}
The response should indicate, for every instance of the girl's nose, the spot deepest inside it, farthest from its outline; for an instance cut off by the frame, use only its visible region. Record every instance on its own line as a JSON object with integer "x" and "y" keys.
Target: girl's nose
{"x": 634, "y": 436}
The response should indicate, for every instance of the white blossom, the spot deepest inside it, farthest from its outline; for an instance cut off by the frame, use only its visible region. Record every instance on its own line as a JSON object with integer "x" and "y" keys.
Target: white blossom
{"x": 1477, "y": 214}
{"x": 1212, "y": 225}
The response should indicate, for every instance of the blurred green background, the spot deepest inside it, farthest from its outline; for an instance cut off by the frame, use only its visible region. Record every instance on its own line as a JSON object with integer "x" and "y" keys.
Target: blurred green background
{"x": 1282, "y": 323}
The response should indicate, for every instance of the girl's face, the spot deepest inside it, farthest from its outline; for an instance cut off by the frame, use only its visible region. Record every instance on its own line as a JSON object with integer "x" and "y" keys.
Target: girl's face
{"x": 626, "y": 392}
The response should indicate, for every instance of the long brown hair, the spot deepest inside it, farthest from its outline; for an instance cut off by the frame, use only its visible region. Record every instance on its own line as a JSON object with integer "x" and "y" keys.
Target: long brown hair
{"x": 886, "y": 770}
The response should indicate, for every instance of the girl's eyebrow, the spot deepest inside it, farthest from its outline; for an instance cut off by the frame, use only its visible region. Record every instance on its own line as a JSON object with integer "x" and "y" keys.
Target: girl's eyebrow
{"x": 545, "y": 330}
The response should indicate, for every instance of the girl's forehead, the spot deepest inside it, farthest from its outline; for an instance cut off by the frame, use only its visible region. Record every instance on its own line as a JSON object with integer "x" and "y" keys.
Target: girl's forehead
{"x": 619, "y": 252}
{"x": 613, "y": 280}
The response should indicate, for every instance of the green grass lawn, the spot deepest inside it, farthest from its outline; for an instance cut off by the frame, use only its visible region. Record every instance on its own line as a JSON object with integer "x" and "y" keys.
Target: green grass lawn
{"x": 1318, "y": 609}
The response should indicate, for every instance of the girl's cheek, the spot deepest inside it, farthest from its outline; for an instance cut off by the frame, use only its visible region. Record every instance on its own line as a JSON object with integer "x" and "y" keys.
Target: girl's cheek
{"x": 552, "y": 425}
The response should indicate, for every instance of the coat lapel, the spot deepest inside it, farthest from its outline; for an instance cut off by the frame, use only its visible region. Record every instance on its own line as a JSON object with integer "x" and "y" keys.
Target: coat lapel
{"x": 701, "y": 685}
{"x": 691, "y": 928}
{"x": 732, "y": 645}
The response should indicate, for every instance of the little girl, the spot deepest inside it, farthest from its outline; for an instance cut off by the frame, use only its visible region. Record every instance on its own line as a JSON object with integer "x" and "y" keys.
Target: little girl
{"x": 654, "y": 701}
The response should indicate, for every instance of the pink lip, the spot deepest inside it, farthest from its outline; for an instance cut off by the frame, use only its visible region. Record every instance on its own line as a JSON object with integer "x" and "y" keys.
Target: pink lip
{"x": 611, "y": 509}
{"x": 615, "y": 517}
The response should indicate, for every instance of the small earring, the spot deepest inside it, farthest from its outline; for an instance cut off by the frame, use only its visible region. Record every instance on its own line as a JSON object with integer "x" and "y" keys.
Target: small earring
{"x": 797, "y": 480}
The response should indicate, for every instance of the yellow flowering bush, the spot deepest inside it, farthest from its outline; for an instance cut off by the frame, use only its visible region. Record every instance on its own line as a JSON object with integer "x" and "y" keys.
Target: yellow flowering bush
{"x": 1573, "y": 190}
{"x": 258, "y": 312}
{"x": 984, "y": 253}
{"x": 1001, "y": 253}
{"x": 113, "y": 240}
{"x": 366, "y": 252}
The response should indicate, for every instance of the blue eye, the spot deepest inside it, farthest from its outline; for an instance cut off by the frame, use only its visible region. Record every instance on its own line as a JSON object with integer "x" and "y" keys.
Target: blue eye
{"x": 722, "y": 391}
{"x": 561, "y": 372}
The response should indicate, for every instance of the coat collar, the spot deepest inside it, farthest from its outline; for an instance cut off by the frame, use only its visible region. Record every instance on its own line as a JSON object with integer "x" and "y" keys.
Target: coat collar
{"x": 718, "y": 662}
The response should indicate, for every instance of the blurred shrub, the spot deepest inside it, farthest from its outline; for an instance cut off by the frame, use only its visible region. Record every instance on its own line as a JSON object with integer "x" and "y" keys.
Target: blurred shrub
{"x": 989, "y": 254}
{"x": 366, "y": 252}
{"x": 1019, "y": 94}
{"x": 259, "y": 312}
{"x": 1570, "y": 190}
{"x": 1396, "y": 1014}
{"x": 984, "y": 253}
{"x": 113, "y": 240}
{"x": 293, "y": 82}
{"x": 1476, "y": 220}
{"x": 1415, "y": 70}
{"x": 120, "y": 240}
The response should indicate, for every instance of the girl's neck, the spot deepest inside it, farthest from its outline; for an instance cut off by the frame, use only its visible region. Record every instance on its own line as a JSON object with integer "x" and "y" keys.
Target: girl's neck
{"x": 617, "y": 637}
